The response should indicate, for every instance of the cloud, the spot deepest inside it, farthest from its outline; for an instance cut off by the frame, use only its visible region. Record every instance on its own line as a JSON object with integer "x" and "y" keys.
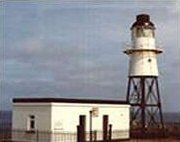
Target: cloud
{"x": 74, "y": 49}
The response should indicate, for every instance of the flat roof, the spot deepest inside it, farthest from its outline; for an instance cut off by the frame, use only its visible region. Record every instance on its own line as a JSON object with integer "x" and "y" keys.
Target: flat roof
{"x": 66, "y": 100}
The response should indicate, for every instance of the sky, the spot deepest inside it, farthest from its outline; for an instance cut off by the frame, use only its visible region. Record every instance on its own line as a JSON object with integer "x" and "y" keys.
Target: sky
{"x": 74, "y": 49}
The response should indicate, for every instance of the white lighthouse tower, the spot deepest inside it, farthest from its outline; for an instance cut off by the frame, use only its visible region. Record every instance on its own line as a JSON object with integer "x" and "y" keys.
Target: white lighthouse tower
{"x": 143, "y": 91}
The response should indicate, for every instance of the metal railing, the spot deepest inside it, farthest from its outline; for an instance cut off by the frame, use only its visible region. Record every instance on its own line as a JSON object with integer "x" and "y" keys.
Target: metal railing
{"x": 5, "y": 134}
{"x": 36, "y": 136}
{"x": 45, "y": 136}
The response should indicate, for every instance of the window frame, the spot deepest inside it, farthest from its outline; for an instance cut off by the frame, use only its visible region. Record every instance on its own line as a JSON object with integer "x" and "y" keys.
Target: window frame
{"x": 31, "y": 123}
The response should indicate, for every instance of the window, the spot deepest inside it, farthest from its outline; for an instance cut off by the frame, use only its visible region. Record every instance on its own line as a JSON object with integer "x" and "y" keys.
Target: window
{"x": 142, "y": 32}
{"x": 31, "y": 123}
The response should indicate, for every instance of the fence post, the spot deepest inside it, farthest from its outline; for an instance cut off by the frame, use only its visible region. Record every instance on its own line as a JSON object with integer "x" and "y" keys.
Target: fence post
{"x": 80, "y": 137}
{"x": 105, "y": 127}
{"x": 95, "y": 135}
{"x": 82, "y": 122}
{"x": 37, "y": 136}
{"x": 90, "y": 125}
{"x": 110, "y": 132}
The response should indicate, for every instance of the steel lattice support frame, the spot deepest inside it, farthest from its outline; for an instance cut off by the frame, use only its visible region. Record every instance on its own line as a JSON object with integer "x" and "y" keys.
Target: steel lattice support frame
{"x": 144, "y": 97}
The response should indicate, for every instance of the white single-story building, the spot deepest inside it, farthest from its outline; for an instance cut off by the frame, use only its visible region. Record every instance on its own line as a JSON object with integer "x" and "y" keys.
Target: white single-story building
{"x": 56, "y": 119}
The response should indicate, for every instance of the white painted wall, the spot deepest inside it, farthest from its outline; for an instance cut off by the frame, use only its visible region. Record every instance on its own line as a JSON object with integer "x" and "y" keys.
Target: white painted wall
{"x": 143, "y": 60}
{"x": 143, "y": 64}
{"x": 42, "y": 112}
{"x": 144, "y": 43}
{"x": 66, "y": 115}
{"x": 58, "y": 118}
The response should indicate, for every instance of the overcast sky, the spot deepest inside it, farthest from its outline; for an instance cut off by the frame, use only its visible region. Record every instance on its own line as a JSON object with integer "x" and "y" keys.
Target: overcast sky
{"x": 75, "y": 48}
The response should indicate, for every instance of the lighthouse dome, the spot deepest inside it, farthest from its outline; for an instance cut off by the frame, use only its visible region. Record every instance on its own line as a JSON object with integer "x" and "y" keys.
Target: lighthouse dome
{"x": 143, "y": 20}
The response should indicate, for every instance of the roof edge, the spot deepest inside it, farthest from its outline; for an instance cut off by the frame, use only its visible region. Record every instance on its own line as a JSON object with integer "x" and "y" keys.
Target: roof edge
{"x": 66, "y": 100}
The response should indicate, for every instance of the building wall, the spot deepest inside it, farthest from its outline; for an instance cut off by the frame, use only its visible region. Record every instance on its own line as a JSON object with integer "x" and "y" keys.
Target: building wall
{"x": 65, "y": 116}
{"x": 42, "y": 112}
{"x": 55, "y": 121}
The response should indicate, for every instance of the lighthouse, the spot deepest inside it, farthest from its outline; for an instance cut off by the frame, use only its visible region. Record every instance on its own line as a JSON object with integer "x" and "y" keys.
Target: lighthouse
{"x": 143, "y": 89}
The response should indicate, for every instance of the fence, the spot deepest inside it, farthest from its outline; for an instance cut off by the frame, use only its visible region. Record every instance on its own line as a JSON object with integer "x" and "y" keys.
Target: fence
{"x": 36, "y": 136}
{"x": 5, "y": 134}
{"x": 44, "y": 136}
